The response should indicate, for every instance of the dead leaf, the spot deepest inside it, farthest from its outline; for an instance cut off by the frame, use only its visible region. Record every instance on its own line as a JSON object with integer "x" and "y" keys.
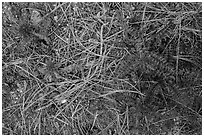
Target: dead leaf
{"x": 35, "y": 17}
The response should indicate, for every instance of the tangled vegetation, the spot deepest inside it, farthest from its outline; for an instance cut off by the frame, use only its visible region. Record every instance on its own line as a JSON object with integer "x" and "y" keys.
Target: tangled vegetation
{"x": 104, "y": 68}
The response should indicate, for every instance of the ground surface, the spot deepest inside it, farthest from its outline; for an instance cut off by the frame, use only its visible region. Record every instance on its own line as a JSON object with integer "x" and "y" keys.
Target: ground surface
{"x": 102, "y": 68}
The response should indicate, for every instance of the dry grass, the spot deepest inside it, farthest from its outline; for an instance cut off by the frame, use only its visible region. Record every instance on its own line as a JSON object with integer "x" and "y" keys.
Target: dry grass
{"x": 101, "y": 68}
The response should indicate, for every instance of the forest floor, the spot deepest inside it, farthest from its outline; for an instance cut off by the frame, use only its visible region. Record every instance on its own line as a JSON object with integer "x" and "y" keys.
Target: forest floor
{"x": 101, "y": 68}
